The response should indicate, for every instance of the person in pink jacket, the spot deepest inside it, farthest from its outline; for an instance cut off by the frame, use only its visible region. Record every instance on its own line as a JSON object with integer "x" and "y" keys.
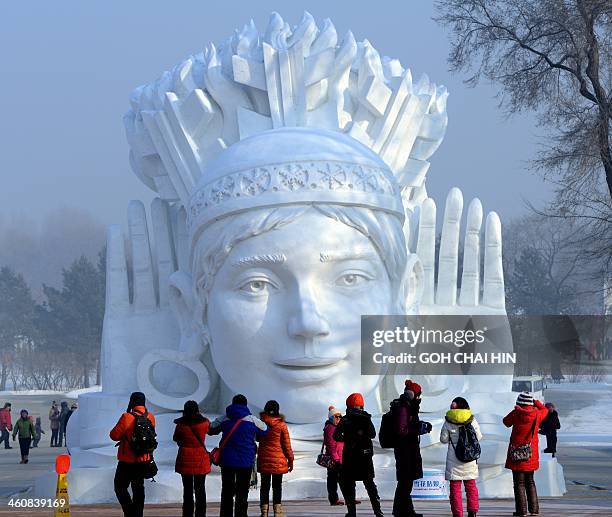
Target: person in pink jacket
{"x": 334, "y": 449}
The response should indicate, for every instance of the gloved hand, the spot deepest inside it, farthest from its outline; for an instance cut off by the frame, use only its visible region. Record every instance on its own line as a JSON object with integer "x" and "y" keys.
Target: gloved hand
{"x": 290, "y": 466}
{"x": 425, "y": 428}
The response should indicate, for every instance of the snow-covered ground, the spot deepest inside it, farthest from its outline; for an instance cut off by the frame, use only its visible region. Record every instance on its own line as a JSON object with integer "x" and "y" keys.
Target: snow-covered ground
{"x": 68, "y": 394}
{"x": 75, "y": 393}
{"x": 587, "y": 422}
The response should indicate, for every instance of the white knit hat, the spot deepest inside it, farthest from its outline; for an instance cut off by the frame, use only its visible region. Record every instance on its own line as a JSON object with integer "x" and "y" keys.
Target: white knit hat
{"x": 525, "y": 399}
{"x": 333, "y": 412}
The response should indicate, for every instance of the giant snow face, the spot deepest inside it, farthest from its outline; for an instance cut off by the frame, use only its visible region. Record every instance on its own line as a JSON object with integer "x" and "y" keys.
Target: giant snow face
{"x": 284, "y": 314}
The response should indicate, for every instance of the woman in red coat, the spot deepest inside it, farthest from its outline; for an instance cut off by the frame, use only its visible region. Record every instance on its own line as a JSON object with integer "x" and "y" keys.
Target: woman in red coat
{"x": 274, "y": 458}
{"x": 525, "y": 420}
{"x": 192, "y": 460}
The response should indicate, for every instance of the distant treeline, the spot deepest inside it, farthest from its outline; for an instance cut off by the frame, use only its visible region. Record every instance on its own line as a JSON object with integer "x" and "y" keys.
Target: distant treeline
{"x": 54, "y": 344}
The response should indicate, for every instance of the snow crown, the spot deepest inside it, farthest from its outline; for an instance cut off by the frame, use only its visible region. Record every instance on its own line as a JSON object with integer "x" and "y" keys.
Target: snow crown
{"x": 266, "y": 85}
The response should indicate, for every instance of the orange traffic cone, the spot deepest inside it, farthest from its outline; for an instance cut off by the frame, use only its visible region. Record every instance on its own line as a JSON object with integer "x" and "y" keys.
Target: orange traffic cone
{"x": 62, "y": 503}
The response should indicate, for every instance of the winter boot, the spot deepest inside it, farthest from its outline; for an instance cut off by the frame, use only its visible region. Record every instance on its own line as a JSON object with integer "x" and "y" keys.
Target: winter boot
{"x": 22, "y": 460}
{"x": 25, "y": 459}
{"x": 278, "y": 510}
{"x": 264, "y": 509}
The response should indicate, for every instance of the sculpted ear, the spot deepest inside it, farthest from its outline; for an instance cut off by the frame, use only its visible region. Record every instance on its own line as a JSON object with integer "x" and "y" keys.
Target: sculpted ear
{"x": 413, "y": 283}
{"x": 182, "y": 299}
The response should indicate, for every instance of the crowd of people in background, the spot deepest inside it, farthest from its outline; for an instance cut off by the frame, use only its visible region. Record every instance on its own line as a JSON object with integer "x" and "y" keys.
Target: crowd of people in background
{"x": 28, "y": 429}
{"x": 252, "y": 445}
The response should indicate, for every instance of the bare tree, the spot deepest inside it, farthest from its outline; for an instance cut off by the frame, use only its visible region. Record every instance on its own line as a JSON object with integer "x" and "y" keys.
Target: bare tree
{"x": 552, "y": 57}
{"x": 570, "y": 284}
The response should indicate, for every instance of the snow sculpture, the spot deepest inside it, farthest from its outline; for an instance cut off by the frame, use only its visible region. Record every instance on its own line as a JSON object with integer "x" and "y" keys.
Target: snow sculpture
{"x": 290, "y": 169}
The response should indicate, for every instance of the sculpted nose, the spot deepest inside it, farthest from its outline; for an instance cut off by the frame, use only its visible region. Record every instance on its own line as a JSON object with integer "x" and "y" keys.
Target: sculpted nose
{"x": 307, "y": 322}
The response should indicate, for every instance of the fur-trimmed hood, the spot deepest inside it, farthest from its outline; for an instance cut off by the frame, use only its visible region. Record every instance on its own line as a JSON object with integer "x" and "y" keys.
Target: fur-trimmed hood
{"x": 269, "y": 419}
{"x": 190, "y": 420}
{"x": 459, "y": 416}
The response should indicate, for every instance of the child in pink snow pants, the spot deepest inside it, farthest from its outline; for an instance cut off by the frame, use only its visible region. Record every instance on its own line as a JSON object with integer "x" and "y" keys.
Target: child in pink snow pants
{"x": 458, "y": 472}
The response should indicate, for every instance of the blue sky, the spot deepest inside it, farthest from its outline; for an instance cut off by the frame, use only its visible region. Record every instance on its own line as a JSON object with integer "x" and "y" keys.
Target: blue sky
{"x": 68, "y": 68}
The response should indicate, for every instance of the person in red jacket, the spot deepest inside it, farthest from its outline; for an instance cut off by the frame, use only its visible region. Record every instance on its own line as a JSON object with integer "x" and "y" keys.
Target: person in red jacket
{"x": 525, "y": 420}
{"x": 274, "y": 458}
{"x": 192, "y": 460}
{"x": 334, "y": 449}
{"x": 130, "y": 466}
{"x": 5, "y": 424}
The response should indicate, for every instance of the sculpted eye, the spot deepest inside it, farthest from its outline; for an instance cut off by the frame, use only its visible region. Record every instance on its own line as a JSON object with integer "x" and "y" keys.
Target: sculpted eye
{"x": 257, "y": 286}
{"x": 352, "y": 279}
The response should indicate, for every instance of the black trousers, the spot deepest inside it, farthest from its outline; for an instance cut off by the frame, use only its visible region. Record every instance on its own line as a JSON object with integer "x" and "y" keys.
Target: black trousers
{"x": 333, "y": 479}
{"x": 277, "y": 488}
{"x": 525, "y": 493}
{"x": 348, "y": 489}
{"x": 5, "y": 438}
{"x": 194, "y": 483}
{"x": 130, "y": 474}
{"x": 54, "y": 433}
{"x": 235, "y": 484}
{"x": 402, "y": 502}
{"x": 551, "y": 442}
{"x": 24, "y": 445}
{"x": 62, "y": 436}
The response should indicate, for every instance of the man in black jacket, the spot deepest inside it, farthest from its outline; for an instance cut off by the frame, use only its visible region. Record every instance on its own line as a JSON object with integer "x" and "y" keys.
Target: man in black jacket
{"x": 356, "y": 430}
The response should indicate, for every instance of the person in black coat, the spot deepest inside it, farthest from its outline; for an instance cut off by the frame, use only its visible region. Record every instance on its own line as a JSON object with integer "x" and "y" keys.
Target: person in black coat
{"x": 408, "y": 463}
{"x": 549, "y": 427}
{"x": 356, "y": 430}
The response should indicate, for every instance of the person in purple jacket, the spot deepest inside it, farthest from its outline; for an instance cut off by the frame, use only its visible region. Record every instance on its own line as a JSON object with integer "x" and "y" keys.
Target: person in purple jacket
{"x": 408, "y": 462}
{"x": 238, "y": 455}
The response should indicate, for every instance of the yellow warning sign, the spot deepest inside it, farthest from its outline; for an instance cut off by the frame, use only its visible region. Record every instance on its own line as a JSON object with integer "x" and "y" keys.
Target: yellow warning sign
{"x": 62, "y": 503}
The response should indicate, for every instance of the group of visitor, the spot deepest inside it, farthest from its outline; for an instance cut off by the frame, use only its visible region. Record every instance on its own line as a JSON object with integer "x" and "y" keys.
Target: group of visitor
{"x": 347, "y": 453}
{"x": 58, "y": 422}
{"x": 28, "y": 429}
{"x": 25, "y": 429}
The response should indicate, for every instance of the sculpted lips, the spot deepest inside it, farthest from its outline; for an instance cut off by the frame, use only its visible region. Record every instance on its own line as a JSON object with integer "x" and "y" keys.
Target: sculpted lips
{"x": 306, "y": 362}
{"x": 308, "y": 369}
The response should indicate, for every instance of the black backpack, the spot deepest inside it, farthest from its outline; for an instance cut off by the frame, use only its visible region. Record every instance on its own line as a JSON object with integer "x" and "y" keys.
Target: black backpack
{"x": 467, "y": 448}
{"x": 386, "y": 436}
{"x": 144, "y": 437}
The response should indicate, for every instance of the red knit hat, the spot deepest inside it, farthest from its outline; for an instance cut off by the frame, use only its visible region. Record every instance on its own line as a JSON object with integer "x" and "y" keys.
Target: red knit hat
{"x": 413, "y": 386}
{"x": 355, "y": 400}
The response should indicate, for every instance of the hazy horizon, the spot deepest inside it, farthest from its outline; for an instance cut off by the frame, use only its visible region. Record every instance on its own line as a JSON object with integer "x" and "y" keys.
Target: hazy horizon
{"x": 70, "y": 68}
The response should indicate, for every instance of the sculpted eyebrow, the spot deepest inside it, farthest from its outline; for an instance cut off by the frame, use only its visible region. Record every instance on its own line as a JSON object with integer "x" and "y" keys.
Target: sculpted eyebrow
{"x": 260, "y": 260}
{"x": 332, "y": 256}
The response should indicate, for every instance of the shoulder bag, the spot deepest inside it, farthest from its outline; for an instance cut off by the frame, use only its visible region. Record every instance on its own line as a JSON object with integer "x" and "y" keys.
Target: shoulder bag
{"x": 523, "y": 452}
{"x": 215, "y": 454}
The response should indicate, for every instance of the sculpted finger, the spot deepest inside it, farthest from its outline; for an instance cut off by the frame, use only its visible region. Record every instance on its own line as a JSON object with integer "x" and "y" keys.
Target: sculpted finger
{"x": 493, "y": 292}
{"x": 144, "y": 288}
{"x": 182, "y": 240}
{"x": 470, "y": 277}
{"x": 446, "y": 293}
{"x": 163, "y": 247}
{"x": 426, "y": 248}
{"x": 117, "y": 291}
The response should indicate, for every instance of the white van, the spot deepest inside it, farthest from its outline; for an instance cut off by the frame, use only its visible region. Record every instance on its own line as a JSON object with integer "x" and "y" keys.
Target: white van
{"x": 533, "y": 383}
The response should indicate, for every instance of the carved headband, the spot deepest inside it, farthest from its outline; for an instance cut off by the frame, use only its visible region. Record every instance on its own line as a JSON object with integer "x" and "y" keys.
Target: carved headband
{"x": 298, "y": 182}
